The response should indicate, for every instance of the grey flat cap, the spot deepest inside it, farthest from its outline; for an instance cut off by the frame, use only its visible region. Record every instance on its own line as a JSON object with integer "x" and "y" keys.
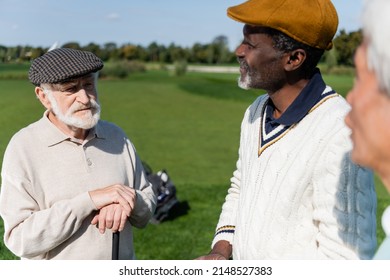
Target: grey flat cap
{"x": 60, "y": 65}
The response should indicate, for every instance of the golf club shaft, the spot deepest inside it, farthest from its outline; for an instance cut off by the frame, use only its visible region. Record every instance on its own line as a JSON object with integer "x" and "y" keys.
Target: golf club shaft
{"x": 115, "y": 245}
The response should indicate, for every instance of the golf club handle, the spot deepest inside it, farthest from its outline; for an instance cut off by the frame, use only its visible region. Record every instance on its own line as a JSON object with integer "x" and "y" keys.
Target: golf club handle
{"x": 115, "y": 245}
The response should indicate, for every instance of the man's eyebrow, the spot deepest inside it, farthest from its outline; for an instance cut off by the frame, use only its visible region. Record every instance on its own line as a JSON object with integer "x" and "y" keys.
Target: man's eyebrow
{"x": 68, "y": 83}
{"x": 77, "y": 80}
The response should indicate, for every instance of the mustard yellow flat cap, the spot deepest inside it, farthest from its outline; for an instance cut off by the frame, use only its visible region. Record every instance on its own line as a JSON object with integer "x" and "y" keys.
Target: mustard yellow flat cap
{"x": 312, "y": 22}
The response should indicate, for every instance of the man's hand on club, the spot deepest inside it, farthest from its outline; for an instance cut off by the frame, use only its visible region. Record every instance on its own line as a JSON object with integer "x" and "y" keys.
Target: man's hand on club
{"x": 115, "y": 194}
{"x": 115, "y": 204}
{"x": 111, "y": 217}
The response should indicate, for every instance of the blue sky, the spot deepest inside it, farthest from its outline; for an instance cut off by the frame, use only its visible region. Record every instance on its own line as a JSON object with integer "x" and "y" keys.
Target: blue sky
{"x": 183, "y": 22}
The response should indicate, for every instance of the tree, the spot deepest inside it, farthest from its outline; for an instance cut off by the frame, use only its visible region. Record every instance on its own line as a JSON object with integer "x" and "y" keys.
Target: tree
{"x": 177, "y": 53}
{"x": 37, "y": 52}
{"x": 219, "y": 50}
{"x": 72, "y": 45}
{"x": 346, "y": 44}
{"x": 331, "y": 59}
{"x": 13, "y": 53}
{"x": 93, "y": 48}
{"x": 3, "y": 53}
{"x": 109, "y": 52}
{"x": 198, "y": 53}
{"x": 153, "y": 52}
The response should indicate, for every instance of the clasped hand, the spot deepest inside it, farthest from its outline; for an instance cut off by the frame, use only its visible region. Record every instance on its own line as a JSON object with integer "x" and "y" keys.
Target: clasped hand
{"x": 115, "y": 204}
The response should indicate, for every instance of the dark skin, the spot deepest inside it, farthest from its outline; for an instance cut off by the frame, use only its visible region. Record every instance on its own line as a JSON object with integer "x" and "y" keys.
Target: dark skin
{"x": 278, "y": 73}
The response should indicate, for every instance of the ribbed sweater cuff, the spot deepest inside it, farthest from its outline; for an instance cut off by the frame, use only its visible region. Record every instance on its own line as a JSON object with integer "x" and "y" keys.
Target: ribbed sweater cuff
{"x": 224, "y": 233}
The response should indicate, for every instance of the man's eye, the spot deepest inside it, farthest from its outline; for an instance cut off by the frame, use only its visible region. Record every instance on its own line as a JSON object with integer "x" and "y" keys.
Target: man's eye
{"x": 70, "y": 89}
{"x": 88, "y": 86}
{"x": 247, "y": 44}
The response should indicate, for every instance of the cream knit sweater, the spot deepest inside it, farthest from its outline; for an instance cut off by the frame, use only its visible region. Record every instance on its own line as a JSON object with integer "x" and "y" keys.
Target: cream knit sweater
{"x": 302, "y": 198}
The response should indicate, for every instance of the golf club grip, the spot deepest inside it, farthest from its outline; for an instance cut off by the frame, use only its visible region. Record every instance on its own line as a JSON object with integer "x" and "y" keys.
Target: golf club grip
{"x": 115, "y": 245}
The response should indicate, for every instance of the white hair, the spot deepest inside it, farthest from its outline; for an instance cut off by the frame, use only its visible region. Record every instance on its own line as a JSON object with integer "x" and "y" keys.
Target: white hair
{"x": 376, "y": 30}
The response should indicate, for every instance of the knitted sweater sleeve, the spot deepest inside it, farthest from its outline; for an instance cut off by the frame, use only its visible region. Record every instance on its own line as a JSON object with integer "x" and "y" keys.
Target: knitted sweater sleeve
{"x": 344, "y": 203}
{"x": 146, "y": 198}
{"x": 227, "y": 220}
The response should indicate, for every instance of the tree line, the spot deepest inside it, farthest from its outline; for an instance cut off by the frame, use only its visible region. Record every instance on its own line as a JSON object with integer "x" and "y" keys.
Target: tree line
{"x": 215, "y": 52}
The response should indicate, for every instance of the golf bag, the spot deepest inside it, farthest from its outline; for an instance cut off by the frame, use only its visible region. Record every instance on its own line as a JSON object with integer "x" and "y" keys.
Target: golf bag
{"x": 165, "y": 192}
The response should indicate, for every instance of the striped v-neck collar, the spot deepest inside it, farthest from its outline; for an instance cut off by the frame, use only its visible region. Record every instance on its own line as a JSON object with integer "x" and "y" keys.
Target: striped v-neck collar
{"x": 271, "y": 129}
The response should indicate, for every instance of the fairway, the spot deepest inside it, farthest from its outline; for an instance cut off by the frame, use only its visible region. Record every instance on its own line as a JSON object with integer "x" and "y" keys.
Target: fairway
{"x": 187, "y": 125}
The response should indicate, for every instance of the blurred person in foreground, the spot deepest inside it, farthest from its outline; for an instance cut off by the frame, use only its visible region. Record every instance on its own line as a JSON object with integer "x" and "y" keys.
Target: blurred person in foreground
{"x": 70, "y": 179}
{"x": 295, "y": 193}
{"x": 369, "y": 118}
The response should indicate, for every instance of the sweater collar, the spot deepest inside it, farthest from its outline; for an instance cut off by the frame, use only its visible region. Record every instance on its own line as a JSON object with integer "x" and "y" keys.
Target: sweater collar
{"x": 272, "y": 130}
{"x": 308, "y": 97}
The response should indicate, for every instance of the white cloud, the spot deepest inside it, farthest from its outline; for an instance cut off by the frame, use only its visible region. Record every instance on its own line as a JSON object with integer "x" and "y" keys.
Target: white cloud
{"x": 113, "y": 16}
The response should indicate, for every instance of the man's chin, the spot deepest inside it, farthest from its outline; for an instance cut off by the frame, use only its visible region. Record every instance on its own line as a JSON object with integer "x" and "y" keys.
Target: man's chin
{"x": 83, "y": 122}
{"x": 91, "y": 123}
{"x": 243, "y": 83}
{"x": 86, "y": 125}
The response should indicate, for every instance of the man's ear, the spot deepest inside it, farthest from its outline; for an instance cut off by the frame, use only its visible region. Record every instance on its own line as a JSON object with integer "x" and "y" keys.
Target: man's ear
{"x": 294, "y": 59}
{"x": 42, "y": 97}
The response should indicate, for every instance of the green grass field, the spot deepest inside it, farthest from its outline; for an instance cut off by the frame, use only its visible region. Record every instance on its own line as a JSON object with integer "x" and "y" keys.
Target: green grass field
{"x": 187, "y": 125}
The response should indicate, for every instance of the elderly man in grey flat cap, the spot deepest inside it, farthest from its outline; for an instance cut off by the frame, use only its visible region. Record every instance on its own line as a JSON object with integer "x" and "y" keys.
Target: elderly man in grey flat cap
{"x": 70, "y": 179}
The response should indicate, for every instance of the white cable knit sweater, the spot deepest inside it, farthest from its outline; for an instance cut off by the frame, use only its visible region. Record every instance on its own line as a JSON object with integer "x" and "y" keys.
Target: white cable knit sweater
{"x": 302, "y": 198}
